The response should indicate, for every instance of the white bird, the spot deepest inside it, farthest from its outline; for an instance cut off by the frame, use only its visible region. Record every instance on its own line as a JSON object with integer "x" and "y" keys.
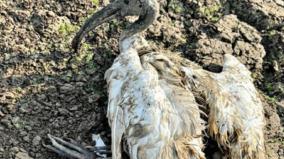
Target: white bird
{"x": 150, "y": 106}
{"x": 151, "y": 109}
{"x": 236, "y": 118}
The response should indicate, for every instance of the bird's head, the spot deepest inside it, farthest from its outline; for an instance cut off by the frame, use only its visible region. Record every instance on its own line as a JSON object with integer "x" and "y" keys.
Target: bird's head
{"x": 147, "y": 10}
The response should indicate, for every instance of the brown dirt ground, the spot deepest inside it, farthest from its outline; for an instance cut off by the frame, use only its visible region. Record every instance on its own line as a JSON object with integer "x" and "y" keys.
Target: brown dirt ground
{"x": 45, "y": 88}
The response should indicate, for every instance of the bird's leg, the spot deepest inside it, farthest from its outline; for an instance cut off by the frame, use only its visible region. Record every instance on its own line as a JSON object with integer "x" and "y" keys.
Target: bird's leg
{"x": 74, "y": 150}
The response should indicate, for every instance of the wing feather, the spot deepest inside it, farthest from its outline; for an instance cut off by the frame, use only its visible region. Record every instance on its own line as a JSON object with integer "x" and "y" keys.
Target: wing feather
{"x": 125, "y": 66}
{"x": 236, "y": 117}
{"x": 188, "y": 140}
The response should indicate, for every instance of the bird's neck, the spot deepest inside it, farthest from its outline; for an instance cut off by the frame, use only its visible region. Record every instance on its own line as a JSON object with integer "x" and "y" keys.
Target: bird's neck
{"x": 126, "y": 45}
{"x": 132, "y": 43}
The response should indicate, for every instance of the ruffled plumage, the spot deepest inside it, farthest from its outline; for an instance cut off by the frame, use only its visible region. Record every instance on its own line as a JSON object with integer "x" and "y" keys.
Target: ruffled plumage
{"x": 151, "y": 107}
{"x": 236, "y": 118}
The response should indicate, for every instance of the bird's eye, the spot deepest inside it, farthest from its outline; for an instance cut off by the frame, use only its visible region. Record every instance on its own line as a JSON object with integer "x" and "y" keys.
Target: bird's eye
{"x": 194, "y": 77}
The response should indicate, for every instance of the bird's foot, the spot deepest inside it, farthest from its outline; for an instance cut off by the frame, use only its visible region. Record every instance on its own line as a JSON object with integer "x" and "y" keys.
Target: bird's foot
{"x": 71, "y": 149}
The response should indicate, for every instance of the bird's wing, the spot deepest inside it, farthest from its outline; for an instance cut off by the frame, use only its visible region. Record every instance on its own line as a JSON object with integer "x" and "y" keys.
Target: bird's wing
{"x": 172, "y": 81}
{"x": 114, "y": 112}
{"x": 236, "y": 114}
{"x": 248, "y": 109}
{"x": 191, "y": 125}
{"x": 208, "y": 85}
{"x": 125, "y": 66}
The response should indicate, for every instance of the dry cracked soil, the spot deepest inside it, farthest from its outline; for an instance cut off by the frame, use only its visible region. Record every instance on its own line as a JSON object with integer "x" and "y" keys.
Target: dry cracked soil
{"x": 46, "y": 88}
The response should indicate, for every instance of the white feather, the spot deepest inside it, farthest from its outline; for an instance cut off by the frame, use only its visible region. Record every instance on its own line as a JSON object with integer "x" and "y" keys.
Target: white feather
{"x": 235, "y": 108}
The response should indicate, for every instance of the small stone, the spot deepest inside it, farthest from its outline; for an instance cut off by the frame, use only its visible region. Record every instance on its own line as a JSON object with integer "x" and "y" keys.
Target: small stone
{"x": 41, "y": 97}
{"x": 11, "y": 108}
{"x": 23, "y": 133}
{"x": 80, "y": 84}
{"x": 38, "y": 155}
{"x": 6, "y": 57}
{"x": 51, "y": 14}
{"x": 66, "y": 88}
{"x": 57, "y": 104}
{"x": 276, "y": 66}
{"x": 22, "y": 155}
{"x": 63, "y": 111}
{"x": 93, "y": 98}
{"x": 16, "y": 122}
{"x": 36, "y": 141}
{"x": 29, "y": 128}
{"x": 6, "y": 122}
{"x": 280, "y": 104}
{"x": 74, "y": 108}
{"x": 13, "y": 142}
{"x": 52, "y": 89}
{"x": 23, "y": 109}
{"x": 22, "y": 150}
{"x": 1, "y": 114}
{"x": 15, "y": 149}
{"x": 26, "y": 138}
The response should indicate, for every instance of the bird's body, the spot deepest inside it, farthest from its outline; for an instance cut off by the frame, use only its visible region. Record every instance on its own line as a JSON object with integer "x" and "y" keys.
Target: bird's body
{"x": 236, "y": 117}
{"x": 157, "y": 116}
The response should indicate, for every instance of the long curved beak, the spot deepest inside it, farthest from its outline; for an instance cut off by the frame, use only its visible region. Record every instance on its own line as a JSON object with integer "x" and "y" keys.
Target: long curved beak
{"x": 109, "y": 12}
{"x": 147, "y": 15}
